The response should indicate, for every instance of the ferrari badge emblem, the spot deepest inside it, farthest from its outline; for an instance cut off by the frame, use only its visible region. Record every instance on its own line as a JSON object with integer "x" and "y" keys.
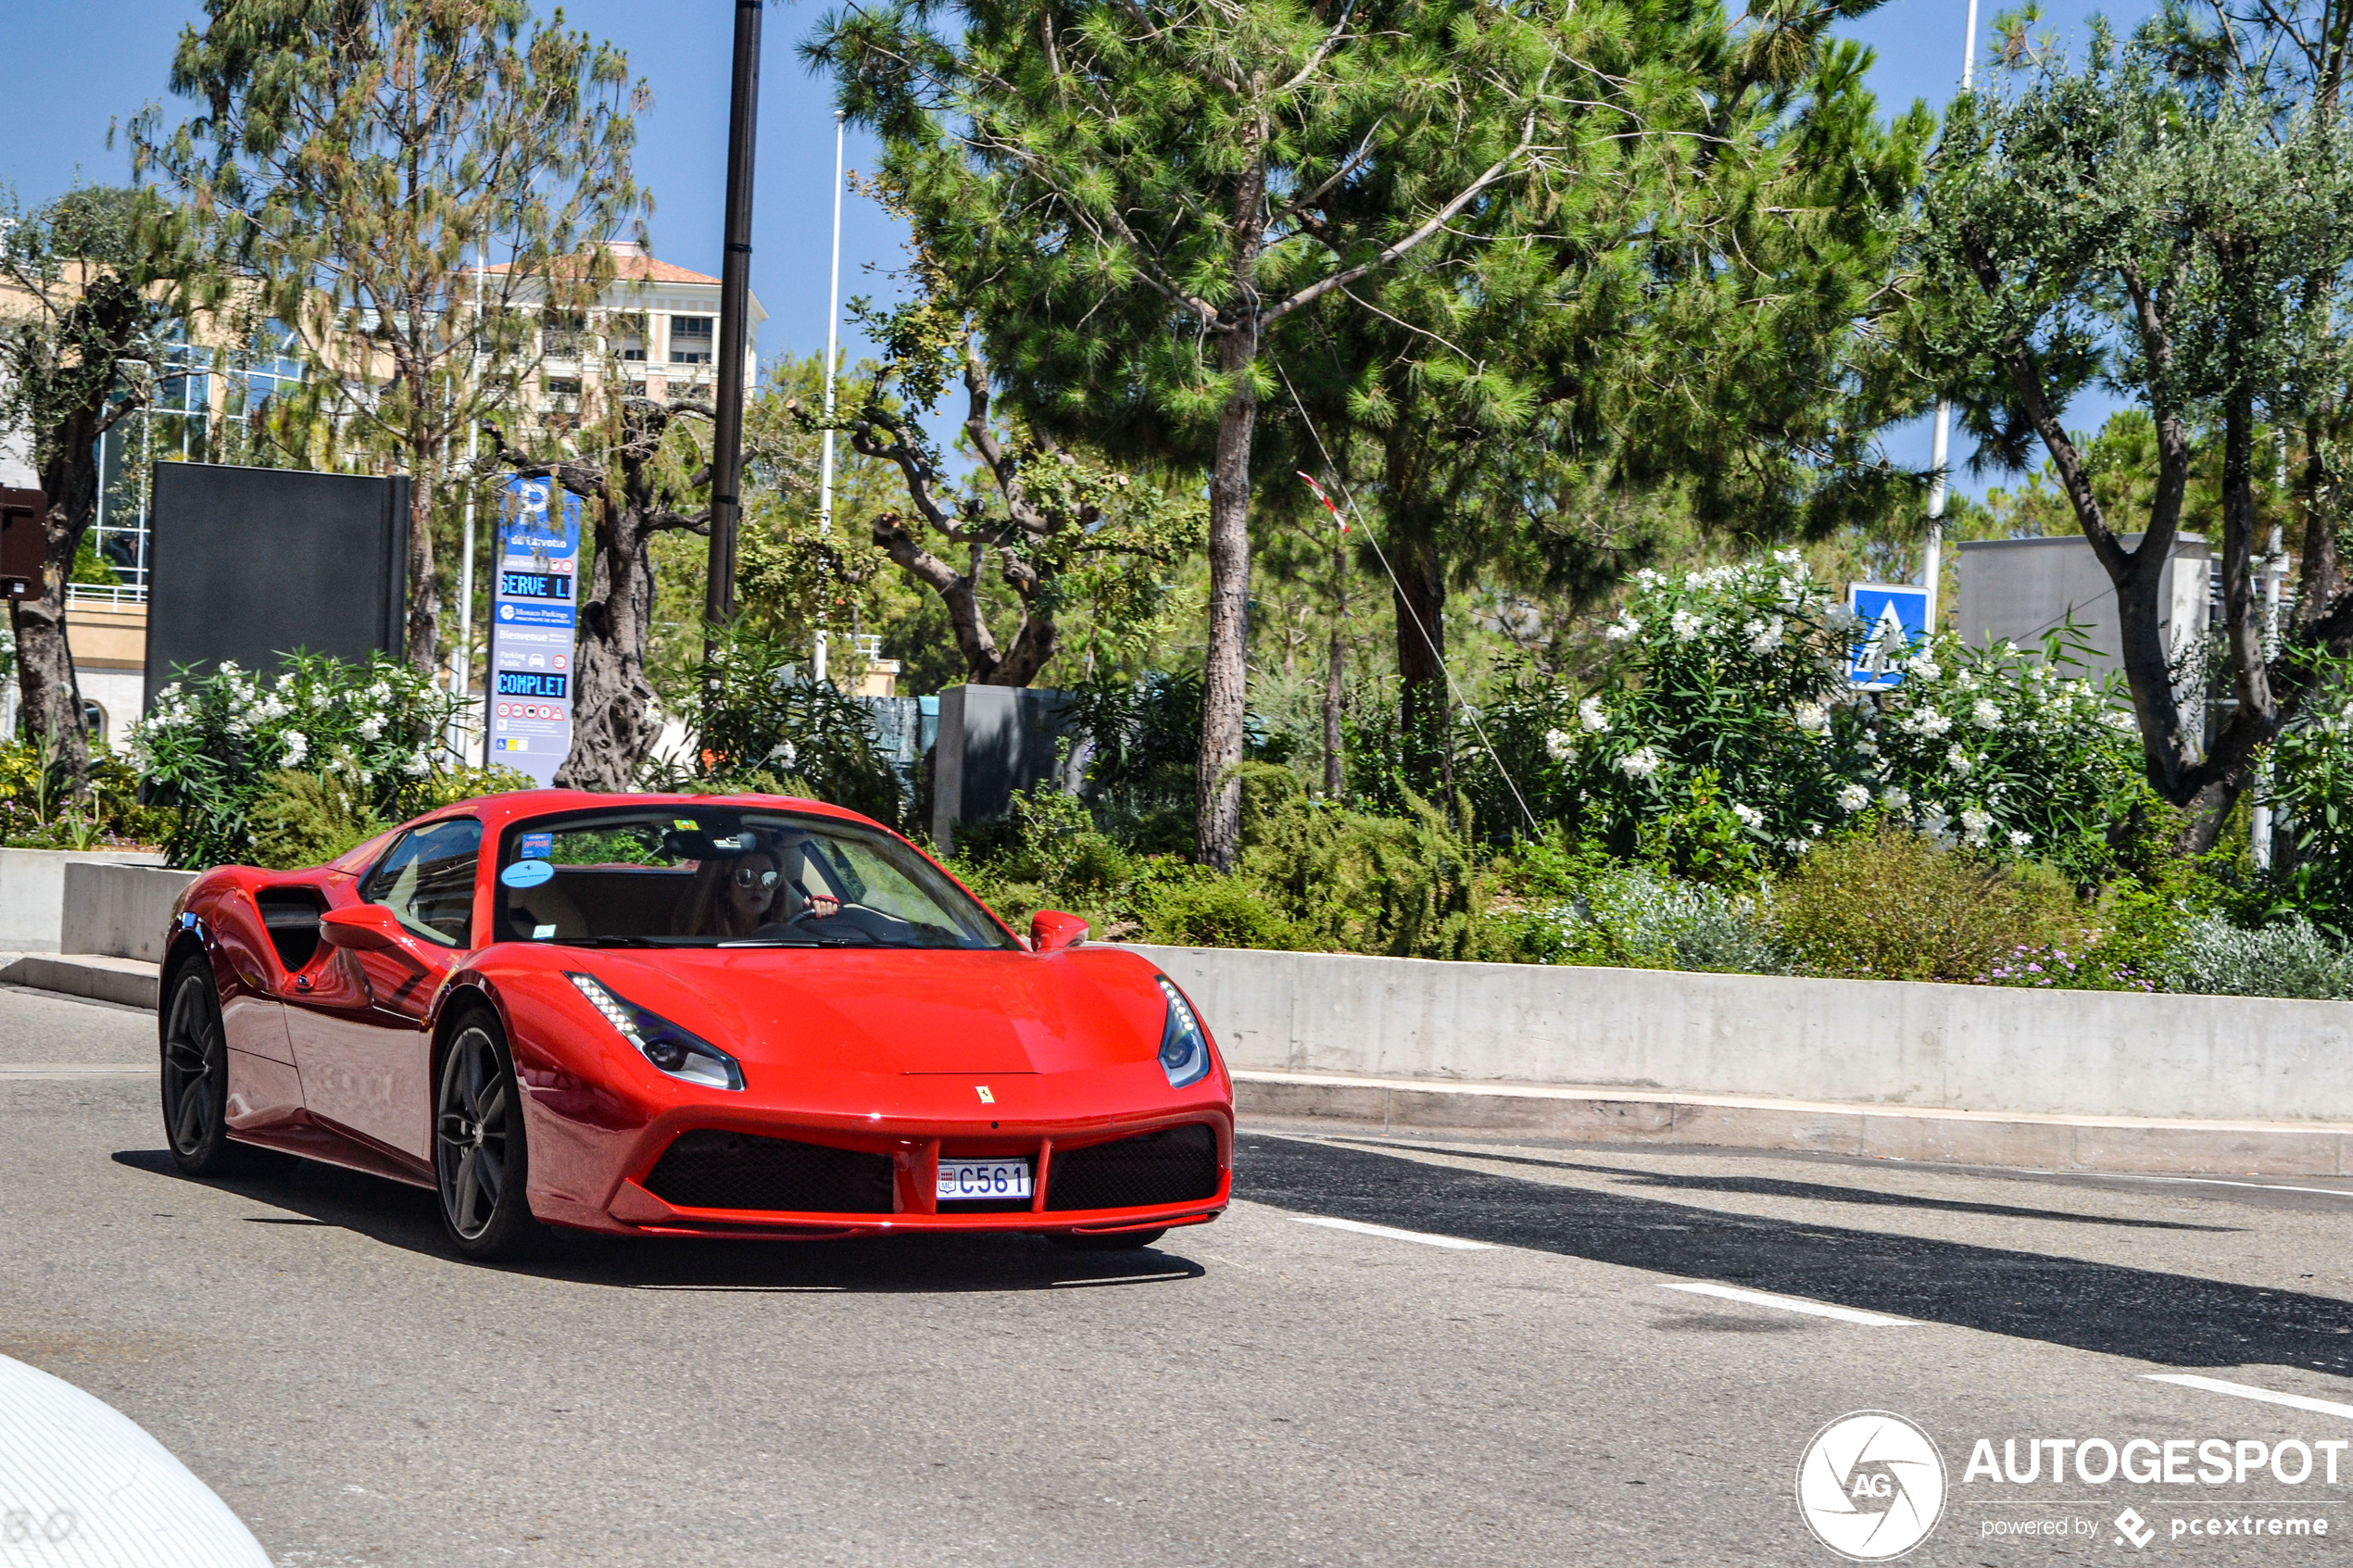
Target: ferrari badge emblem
{"x": 986, "y": 1098}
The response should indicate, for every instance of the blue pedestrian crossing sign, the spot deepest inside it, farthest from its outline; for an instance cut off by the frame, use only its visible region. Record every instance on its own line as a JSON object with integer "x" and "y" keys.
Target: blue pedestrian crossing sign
{"x": 1892, "y": 624}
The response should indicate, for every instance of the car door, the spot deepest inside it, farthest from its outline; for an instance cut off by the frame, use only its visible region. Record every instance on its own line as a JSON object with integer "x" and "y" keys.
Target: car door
{"x": 360, "y": 1034}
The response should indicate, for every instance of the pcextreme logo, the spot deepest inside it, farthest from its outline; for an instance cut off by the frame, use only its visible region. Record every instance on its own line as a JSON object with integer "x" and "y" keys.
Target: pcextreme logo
{"x": 1870, "y": 1486}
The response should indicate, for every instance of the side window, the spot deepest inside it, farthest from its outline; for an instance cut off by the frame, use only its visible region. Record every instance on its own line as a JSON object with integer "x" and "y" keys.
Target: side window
{"x": 427, "y": 881}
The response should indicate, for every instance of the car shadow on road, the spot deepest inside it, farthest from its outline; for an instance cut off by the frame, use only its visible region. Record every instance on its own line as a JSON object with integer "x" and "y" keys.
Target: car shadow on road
{"x": 1815, "y": 1192}
{"x": 2146, "y": 1315}
{"x": 406, "y": 1217}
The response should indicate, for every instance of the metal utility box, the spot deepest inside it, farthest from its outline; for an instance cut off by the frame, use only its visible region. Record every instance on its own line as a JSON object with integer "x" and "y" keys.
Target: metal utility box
{"x": 250, "y": 564}
{"x": 24, "y": 538}
{"x": 2023, "y": 589}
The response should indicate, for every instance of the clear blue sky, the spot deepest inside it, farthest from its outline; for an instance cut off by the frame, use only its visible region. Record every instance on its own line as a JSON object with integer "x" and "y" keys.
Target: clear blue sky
{"x": 81, "y": 67}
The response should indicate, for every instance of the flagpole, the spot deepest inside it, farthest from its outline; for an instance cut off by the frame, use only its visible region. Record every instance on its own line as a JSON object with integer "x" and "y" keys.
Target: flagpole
{"x": 833, "y": 326}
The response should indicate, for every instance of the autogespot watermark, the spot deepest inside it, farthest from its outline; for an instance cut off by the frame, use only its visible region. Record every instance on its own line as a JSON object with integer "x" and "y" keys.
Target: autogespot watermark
{"x": 1872, "y": 1485}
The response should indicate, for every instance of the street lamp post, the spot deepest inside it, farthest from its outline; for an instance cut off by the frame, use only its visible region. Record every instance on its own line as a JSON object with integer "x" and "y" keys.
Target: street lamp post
{"x": 735, "y": 290}
{"x": 1932, "y": 567}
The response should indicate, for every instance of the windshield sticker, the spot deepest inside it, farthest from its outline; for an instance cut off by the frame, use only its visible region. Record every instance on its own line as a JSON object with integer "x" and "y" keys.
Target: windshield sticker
{"x": 527, "y": 873}
{"x": 538, "y": 846}
{"x": 684, "y": 824}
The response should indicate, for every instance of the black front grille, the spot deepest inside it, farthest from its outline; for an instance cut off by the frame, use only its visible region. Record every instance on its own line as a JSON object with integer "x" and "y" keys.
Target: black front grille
{"x": 714, "y": 1170}
{"x": 1174, "y": 1165}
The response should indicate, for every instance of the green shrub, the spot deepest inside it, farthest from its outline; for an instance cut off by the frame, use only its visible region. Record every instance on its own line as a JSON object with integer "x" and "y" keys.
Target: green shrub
{"x": 1219, "y": 911}
{"x": 1889, "y": 905}
{"x": 2289, "y": 959}
{"x": 307, "y": 819}
{"x": 768, "y": 728}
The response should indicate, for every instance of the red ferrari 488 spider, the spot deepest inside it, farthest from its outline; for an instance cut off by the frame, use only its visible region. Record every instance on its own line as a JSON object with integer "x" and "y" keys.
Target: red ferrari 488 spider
{"x": 668, "y": 1015}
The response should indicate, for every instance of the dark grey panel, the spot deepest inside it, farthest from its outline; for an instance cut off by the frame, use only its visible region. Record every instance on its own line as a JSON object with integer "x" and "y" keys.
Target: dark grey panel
{"x": 249, "y": 564}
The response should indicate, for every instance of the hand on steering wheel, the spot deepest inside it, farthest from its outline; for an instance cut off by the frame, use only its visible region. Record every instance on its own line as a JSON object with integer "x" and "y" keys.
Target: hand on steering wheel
{"x": 822, "y": 906}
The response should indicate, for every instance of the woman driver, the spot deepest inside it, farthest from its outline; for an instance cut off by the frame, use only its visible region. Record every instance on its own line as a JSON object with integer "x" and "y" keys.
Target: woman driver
{"x": 740, "y": 895}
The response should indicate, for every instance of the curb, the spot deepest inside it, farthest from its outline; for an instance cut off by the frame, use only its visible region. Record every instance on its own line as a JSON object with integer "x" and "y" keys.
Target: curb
{"x": 1922, "y": 1134}
{"x": 130, "y": 982}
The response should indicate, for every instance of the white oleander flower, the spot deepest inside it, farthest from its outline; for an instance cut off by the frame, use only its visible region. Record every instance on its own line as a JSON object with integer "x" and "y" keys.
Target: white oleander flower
{"x": 2020, "y": 840}
{"x": 417, "y": 767}
{"x": 1560, "y": 745}
{"x": 1685, "y": 626}
{"x": 1842, "y": 619}
{"x": 1764, "y": 636}
{"x": 1973, "y": 825}
{"x": 1958, "y": 760}
{"x": 1795, "y": 846}
{"x": 1896, "y": 800}
{"x": 1811, "y": 716}
{"x": 298, "y": 747}
{"x": 1591, "y": 717}
{"x": 371, "y": 726}
{"x": 1641, "y": 763}
{"x": 1933, "y": 820}
{"x": 1622, "y": 629}
{"x": 1749, "y": 815}
{"x": 1924, "y": 667}
{"x": 1985, "y": 714}
{"x": 1854, "y": 797}
{"x": 1927, "y": 723}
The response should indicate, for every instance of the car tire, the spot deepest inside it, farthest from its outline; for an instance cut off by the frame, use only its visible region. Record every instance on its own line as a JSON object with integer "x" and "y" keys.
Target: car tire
{"x": 481, "y": 1164}
{"x": 196, "y": 1079}
{"x": 1109, "y": 1241}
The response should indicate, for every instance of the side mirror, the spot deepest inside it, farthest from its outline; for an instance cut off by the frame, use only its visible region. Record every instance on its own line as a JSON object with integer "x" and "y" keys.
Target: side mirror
{"x": 363, "y": 928}
{"x": 1051, "y": 931}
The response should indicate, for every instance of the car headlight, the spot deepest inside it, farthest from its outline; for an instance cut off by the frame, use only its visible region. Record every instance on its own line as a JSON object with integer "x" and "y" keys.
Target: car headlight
{"x": 1184, "y": 1050}
{"x": 676, "y": 1051}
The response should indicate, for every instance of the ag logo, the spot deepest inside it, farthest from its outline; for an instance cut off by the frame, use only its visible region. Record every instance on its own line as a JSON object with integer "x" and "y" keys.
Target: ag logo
{"x": 1871, "y": 1486}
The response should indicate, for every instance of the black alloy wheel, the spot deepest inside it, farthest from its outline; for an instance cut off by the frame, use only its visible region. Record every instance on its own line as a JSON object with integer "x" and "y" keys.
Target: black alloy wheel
{"x": 479, "y": 1165}
{"x": 1109, "y": 1241}
{"x": 196, "y": 1076}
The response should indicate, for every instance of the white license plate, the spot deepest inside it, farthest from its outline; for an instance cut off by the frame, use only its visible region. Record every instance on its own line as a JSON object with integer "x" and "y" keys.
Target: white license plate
{"x": 983, "y": 1178}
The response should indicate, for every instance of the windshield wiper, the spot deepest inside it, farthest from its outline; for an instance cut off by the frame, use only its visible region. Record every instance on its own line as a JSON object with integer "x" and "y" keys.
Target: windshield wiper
{"x": 805, "y": 939}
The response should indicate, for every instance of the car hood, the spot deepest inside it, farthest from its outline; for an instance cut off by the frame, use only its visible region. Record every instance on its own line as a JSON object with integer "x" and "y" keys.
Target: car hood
{"x": 897, "y": 1011}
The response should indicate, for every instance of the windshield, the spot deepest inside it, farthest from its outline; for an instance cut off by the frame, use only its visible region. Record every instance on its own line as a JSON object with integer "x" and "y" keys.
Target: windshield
{"x": 681, "y": 876}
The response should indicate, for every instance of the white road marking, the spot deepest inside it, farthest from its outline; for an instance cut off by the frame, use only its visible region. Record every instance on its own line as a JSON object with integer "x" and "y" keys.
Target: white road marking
{"x": 77, "y": 1070}
{"x": 1423, "y": 1237}
{"x": 2249, "y": 1391}
{"x": 2218, "y": 1182}
{"x": 1796, "y": 1304}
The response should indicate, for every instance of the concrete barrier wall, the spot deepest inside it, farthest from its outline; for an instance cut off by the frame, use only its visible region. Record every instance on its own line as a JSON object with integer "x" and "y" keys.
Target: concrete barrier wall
{"x": 1972, "y": 1048}
{"x": 120, "y": 912}
{"x": 32, "y": 893}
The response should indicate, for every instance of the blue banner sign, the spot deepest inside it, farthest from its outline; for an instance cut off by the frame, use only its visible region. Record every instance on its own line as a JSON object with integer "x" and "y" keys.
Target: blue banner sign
{"x": 532, "y": 622}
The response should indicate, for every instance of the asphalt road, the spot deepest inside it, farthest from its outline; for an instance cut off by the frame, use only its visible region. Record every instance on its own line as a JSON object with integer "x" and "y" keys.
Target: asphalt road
{"x": 1259, "y": 1391}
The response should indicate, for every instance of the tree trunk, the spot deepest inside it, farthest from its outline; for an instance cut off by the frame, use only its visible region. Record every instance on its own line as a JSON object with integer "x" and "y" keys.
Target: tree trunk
{"x": 1335, "y": 672}
{"x": 2258, "y": 715}
{"x": 1217, "y": 828}
{"x": 425, "y": 593}
{"x": 1419, "y": 596}
{"x": 51, "y": 698}
{"x": 613, "y": 725}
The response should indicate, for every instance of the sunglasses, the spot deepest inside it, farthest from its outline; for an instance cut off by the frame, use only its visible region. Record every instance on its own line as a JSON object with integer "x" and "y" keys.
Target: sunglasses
{"x": 752, "y": 876}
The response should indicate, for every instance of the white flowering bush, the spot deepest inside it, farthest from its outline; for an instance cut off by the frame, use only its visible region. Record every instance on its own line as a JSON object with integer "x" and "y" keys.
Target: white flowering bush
{"x": 212, "y": 746}
{"x": 1999, "y": 751}
{"x": 1725, "y": 738}
{"x": 1714, "y": 744}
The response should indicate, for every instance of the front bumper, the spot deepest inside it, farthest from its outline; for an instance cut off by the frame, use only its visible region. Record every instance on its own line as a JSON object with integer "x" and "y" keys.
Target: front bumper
{"x": 599, "y": 1172}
